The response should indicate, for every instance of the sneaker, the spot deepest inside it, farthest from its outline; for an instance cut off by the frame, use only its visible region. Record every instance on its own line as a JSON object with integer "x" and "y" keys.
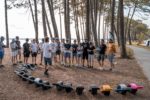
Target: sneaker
{"x": 46, "y": 73}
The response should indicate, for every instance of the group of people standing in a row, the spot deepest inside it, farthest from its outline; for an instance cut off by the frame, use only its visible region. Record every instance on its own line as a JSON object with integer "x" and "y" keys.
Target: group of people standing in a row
{"x": 60, "y": 52}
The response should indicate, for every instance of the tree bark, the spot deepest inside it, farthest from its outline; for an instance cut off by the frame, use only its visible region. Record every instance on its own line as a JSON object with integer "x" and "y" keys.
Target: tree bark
{"x": 44, "y": 18}
{"x": 88, "y": 20}
{"x": 51, "y": 9}
{"x": 36, "y": 21}
{"x": 122, "y": 36}
{"x": 112, "y": 19}
{"x": 6, "y": 24}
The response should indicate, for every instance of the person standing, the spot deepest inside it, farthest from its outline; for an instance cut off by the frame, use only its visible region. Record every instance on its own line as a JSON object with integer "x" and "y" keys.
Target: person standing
{"x": 111, "y": 53}
{"x": 34, "y": 51}
{"x": 53, "y": 48}
{"x": 67, "y": 53}
{"x": 62, "y": 49}
{"x": 58, "y": 51}
{"x": 85, "y": 52}
{"x": 74, "y": 51}
{"x": 47, "y": 54}
{"x": 79, "y": 54}
{"x": 101, "y": 53}
{"x": 91, "y": 55}
{"x": 2, "y": 52}
{"x": 26, "y": 51}
{"x": 13, "y": 47}
{"x": 18, "y": 49}
{"x": 41, "y": 50}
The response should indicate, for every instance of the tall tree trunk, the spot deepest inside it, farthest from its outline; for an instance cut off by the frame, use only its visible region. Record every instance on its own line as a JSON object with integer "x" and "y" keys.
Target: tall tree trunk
{"x": 6, "y": 24}
{"x": 118, "y": 24}
{"x": 36, "y": 21}
{"x": 51, "y": 9}
{"x": 129, "y": 27}
{"x": 60, "y": 24}
{"x": 122, "y": 36}
{"x": 67, "y": 19}
{"x": 88, "y": 19}
{"x": 33, "y": 19}
{"x": 112, "y": 19}
{"x": 43, "y": 18}
{"x": 93, "y": 21}
{"x": 48, "y": 25}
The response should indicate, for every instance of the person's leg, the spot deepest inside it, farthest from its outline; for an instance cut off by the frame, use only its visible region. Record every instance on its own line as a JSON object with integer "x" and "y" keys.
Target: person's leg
{"x": 103, "y": 58}
{"x": 69, "y": 54}
{"x": 0, "y": 61}
{"x": 19, "y": 55}
{"x": 41, "y": 58}
{"x": 92, "y": 60}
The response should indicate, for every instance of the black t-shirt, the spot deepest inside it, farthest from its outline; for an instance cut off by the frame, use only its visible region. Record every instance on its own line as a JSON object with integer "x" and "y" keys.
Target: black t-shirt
{"x": 67, "y": 46}
{"x": 18, "y": 44}
{"x": 85, "y": 47}
{"x": 102, "y": 48}
{"x": 74, "y": 48}
{"x": 26, "y": 47}
{"x": 91, "y": 50}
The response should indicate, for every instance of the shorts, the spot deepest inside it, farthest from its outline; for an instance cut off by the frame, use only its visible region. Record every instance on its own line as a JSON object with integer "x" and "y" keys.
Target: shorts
{"x": 90, "y": 57}
{"x": 53, "y": 54}
{"x": 79, "y": 55}
{"x": 14, "y": 53}
{"x": 34, "y": 54}
{"x": 74, "y": 54}
{"x": 101, "y": 57}
{"x": 58, "y": 52}
{"x": 67, "y": 54}
{"x": 47, "y": 61}
{"x": 26, "y": 54}
{"x": 111, "y": 57}
{"x": 1, "y": 54}
{"x": 85, "y": 56}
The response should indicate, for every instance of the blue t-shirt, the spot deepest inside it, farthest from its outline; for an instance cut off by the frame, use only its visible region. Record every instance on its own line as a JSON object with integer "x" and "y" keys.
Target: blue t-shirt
{"x": 2, "y": 46}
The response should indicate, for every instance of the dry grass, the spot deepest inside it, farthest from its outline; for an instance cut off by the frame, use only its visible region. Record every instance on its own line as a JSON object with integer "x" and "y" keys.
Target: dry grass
{"x": 126, "y": 71}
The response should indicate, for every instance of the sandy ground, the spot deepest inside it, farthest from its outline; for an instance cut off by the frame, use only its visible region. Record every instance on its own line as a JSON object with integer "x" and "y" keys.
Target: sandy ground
{"x": 126, "y": 71}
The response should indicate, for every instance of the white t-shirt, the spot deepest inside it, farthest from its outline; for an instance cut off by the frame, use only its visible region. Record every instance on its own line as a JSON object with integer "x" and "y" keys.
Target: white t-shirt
{"x": 41, "y": 46}
{"x": 34, "y": 47}
{"x": 46, "y": 50}
{"x": 62, "y": 48}
{"x": 13, "y": 46}
{"x": 53, "y": 46}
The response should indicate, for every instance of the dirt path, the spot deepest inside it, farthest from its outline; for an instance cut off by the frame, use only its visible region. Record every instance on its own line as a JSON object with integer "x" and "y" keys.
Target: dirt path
{"x": 143, "y": 58}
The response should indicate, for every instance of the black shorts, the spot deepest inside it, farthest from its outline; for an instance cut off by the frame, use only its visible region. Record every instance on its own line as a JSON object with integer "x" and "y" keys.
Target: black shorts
{"x": 47, "y": 61}
{"x": 85, "y": 56}
{"x": 101, "y": 57}
{"x": 58, "y": 52}
{"x": 34, "y": 54}
{"x": 26, "y": 54}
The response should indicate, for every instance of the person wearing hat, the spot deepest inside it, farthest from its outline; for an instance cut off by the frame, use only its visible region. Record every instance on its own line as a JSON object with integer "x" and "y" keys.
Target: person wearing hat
{"x": 26, "y": 51}
{"x": 2, "y": 46}
{"x": 13, "y": 47}
{"x": 111, "y": 50}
